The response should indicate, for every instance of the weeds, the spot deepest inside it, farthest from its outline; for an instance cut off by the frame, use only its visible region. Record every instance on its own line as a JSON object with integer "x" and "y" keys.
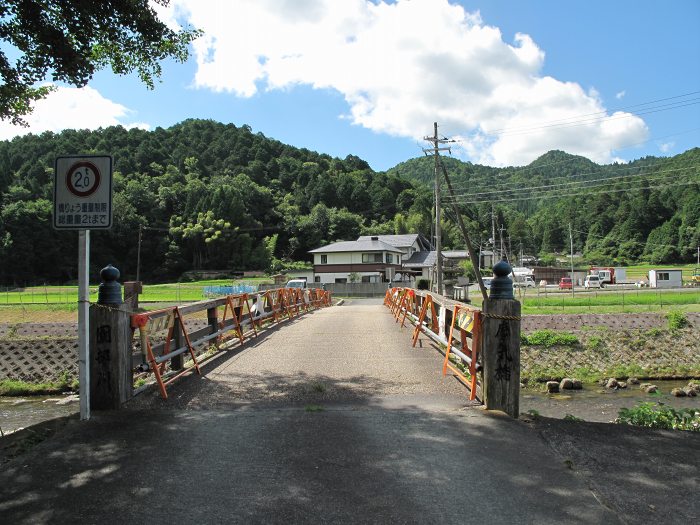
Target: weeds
{"x": 676, "y": 320}
{"x": 15, "y": 388}
{"x": 548, "y": 338}
{"x": 594, "y": 342}
{"x": 658, "y": 415}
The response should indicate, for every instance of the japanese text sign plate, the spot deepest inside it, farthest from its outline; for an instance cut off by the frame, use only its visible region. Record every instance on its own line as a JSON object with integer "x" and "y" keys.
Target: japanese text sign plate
{"x": 83, "y": 193}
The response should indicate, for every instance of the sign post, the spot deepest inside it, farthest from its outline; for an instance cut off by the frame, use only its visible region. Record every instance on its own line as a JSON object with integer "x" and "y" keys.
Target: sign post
{"x": 83, "y": 202}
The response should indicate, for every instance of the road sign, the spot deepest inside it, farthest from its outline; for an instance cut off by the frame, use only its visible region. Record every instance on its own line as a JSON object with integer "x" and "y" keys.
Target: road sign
{"x": 83, "y": 193}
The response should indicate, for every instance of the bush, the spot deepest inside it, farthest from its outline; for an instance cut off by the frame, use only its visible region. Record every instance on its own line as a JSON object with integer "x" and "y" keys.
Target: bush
{"x": 548, "y": 338}
{"x": 423, "y": 284}
{"x": 676, "y": 320}
{"x": 660, "y": 416}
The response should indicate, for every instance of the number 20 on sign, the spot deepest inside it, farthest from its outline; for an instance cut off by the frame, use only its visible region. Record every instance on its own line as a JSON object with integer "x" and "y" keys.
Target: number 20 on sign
{"x": 83, "y": 193}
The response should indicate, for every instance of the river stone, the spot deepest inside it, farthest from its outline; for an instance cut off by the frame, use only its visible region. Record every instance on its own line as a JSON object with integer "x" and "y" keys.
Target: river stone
{"x": 566, "y": 384}
{"x": 552, "y": 387}
{"x": 632, "y": 381}
{"x": 695, "y": 387}
{"x": 679, "y": 392}
{"x": 612, "y": 383}
{"x": 690, "y": 392}
{"x": 621, "y": 384}
{"x": 578, "y": 385}
{"x": 650, "y": 389}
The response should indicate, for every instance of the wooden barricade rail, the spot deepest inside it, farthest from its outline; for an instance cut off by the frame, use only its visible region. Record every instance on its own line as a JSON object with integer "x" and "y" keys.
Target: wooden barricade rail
{"x": 244, "y": 314}
{"x": 453, "y": 325}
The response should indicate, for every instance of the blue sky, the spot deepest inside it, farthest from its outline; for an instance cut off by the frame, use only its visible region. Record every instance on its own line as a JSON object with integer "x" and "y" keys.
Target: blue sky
{"x": 509, "y": 80}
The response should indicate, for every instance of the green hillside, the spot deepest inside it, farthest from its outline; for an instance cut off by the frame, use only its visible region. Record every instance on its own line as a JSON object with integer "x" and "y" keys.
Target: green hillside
{"x": 646, "y": 210}
{"x": 208, "y": 195}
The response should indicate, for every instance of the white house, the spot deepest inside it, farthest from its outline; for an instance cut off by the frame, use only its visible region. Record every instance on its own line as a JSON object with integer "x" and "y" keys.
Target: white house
{"x": 665, "y": 278}
{"x": 373, "y": 260}
{"x": 382, "y": 258}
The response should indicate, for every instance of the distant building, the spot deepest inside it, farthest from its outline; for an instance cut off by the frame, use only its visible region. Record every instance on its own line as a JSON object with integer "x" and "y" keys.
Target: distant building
{"x": 663, "y": 278}
{"x": 373, "y": 260}
{"x": 383, "y": 258}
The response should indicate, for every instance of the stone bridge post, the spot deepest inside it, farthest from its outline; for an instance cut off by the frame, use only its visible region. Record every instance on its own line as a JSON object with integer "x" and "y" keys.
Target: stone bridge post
{"x": 501, "y": 344}
{"x": 111, "y": 381}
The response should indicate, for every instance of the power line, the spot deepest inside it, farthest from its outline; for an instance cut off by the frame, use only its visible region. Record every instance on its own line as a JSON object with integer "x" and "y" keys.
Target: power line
{"x": 562, "y": 195}
{"x": 573, "y": 184}
{"x": 605, "y": 112}
{"x": 612, "y": 176}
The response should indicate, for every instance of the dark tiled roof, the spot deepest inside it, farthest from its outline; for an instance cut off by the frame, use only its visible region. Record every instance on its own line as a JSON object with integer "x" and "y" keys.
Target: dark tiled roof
{"x": 357, "y": 246}
{"x": 421, "y": 260}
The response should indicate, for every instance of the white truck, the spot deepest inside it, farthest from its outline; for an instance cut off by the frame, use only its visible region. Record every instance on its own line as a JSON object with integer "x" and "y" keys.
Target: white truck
{"x": 296, "y": 283}
{"x": 523, "y": 277}
{"x": 609, "y": 275}
{"x": 524, "y": 281}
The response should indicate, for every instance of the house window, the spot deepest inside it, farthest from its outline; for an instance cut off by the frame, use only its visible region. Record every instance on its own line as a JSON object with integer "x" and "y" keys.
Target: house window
{"x": 341, "y": 280}
{"x": 390, "y": 258}
{"x": 317, "y": 278}
{"x": 371, "y": 257}
{"x": 324, "y": 259}
{"x": 662, "y": 276}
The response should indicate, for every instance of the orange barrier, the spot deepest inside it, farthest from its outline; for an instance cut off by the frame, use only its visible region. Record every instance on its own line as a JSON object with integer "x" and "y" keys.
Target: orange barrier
{"x": 468, "y": 321}
{"x": 275, "y": 304}
{"x": 420, "y": 308}
{"x": 156, "y": 321}
{"x": 235, "y": 304}
{"x": 421, "y": 325}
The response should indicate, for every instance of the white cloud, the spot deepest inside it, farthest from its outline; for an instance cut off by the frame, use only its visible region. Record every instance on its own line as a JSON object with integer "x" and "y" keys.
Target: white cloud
{"x": 70, "y": 108}
{"x": 620, "y": 94}
{"x": 403, "y": 65}
{"x": 666, "y": 146}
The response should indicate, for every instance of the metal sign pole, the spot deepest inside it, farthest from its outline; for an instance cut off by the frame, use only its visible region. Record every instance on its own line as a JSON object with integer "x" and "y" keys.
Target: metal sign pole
{"x": 84, "y": 322}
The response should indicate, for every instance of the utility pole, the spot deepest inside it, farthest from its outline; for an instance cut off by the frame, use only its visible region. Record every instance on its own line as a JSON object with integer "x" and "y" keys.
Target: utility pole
{"x": 493, "y": 235}
{"x": 500, "y": 233}
{"x": 571, "y": 243}
{"x": 138, "y": 255}
{"x": 436, "y": 149}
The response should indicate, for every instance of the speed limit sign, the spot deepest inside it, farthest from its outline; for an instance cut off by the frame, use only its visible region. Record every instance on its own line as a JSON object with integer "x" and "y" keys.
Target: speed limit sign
{"x": 83, "y": 193}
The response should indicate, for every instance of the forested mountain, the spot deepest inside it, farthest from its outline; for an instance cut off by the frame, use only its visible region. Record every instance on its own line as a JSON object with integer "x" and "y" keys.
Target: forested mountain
{"x": 645, "y": 210}
{"x": 209, "y": 196}
{"x": 214, "y": 196}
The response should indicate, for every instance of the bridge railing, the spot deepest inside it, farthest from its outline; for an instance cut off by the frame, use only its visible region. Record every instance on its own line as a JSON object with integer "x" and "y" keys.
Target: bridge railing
{"x": 454, "y": 325}
{"x": 165, "y": 336}
{"x": 169, "y": 335}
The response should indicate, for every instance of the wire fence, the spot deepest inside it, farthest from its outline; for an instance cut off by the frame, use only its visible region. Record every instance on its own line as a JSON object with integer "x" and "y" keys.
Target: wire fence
{"x": 43, "y": 294}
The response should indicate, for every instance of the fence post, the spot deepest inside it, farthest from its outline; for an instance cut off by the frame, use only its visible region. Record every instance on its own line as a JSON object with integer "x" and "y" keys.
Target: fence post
{"x": 111, "y": 380}
{"x": 501, "y": 344}
{"x": 213, "y": 319}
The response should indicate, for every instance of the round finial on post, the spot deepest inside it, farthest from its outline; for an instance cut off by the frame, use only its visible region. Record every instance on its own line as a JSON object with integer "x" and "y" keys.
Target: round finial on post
{"x": 109, "y": 291}
{"x": 502, "y": 285}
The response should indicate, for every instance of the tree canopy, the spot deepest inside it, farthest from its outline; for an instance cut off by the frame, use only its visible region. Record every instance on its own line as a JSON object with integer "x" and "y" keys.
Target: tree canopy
{"x": 215, "y": 196}
{"x": 69, "y": 40}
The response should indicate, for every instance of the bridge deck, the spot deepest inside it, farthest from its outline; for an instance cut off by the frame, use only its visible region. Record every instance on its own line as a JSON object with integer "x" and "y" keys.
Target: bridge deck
{"x": 355, "y": 353}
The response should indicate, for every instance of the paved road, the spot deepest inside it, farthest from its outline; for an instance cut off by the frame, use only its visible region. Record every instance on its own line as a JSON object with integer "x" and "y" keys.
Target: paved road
{"x": 335, "y": 418}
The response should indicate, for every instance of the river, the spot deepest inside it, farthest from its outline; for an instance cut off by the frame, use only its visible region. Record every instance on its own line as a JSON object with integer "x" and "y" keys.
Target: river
{"x": 596, "y": 403}
{"x": 22, "y": 412}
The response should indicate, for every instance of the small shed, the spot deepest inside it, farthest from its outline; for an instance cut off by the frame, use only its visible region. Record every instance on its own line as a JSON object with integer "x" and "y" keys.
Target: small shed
{"x": 665, "y": 278}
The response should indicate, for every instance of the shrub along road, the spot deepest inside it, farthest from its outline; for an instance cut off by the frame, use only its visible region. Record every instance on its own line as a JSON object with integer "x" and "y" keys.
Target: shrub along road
{"x": 336, "y": 418}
